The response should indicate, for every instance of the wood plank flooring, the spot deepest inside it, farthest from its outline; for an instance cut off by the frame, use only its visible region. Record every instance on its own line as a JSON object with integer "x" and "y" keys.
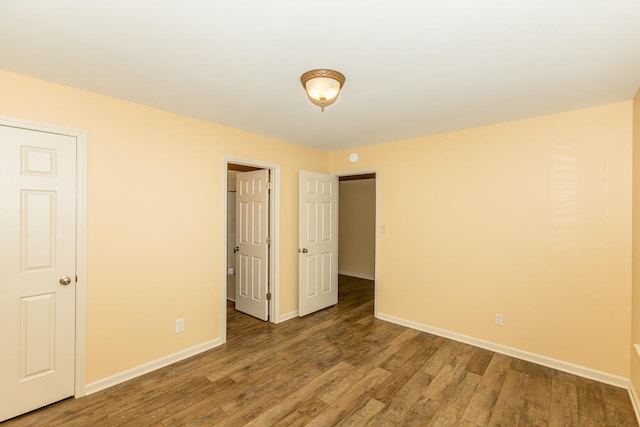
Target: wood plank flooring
{"x": 343, "y": 367}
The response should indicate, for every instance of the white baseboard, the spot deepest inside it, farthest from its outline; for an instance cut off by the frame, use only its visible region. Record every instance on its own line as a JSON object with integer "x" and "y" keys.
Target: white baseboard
{"x": 633, "y": 395}
{"x": 358, "y": 275}
{"x": 151, "y": 366}
{"x": 549, "y": 362}
{"x": 288, "y": 316}
{"x": 634, "y": 401}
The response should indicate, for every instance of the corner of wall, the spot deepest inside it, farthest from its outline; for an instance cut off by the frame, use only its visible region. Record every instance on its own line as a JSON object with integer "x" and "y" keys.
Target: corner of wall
{"x": 634, "y": 383}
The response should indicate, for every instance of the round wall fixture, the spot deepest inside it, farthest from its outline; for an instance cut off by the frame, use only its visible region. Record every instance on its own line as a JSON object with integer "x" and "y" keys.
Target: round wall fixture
{"x": 353, "y": 157}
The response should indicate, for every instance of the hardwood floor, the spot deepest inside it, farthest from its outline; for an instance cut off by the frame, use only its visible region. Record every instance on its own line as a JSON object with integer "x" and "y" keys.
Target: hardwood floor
{"x": 342, "y": 366}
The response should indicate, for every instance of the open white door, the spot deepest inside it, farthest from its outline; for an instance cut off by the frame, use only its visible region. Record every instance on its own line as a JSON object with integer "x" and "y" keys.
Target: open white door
{"x": 37, "y": 268}
{"x": 252, "y": 247}
{"x": 318, "y": 249}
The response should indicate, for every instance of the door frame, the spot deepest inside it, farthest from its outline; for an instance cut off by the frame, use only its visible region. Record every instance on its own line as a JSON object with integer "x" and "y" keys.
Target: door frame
{"x": 274, "y": 227}
{"x": 81, "y": 239}
{"x": 365, "y": 171}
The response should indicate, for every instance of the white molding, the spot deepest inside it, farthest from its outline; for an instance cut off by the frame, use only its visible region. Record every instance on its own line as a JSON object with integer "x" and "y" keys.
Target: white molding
{"x": 275, "y": 242}
{"x": 352, "y": 172}
{"x": 634, "y": 400}
{"x": 376, "y": 279}
{"x": 81, "y": 264}
{"x": 132, "y": 373}
{"x": 549, "y": 362}
{"x": 81, "y": 239}
{"x": 358, "y": 275}
{"x": 288, "y": 316}
{"x": 225, "y": 237}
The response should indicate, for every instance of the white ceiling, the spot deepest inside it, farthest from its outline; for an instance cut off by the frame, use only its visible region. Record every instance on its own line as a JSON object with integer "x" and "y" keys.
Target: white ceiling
{"x": 413, "y": 67}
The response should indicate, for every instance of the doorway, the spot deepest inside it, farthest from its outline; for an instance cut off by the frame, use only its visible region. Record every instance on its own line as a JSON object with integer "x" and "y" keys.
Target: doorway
{"x": 232, "y": 167}
{"x": 358, "y": 230}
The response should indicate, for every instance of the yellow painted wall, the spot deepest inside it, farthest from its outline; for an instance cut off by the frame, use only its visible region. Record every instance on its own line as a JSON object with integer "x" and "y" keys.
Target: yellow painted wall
{"x": 357, "y": 226}
{"x": 531, "y": 219}
{"x": 154, "y": 218}
{"x": 635, "y": 300}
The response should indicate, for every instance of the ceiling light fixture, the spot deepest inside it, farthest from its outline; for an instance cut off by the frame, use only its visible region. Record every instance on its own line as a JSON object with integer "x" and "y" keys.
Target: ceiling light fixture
{"x": 322, "y": 86}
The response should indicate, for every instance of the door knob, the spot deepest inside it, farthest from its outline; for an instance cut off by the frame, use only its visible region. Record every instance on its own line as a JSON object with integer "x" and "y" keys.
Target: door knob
{"x": 65, "y": 280}
{"x": 303, "y": 250}
{"x": 236, "y": 249}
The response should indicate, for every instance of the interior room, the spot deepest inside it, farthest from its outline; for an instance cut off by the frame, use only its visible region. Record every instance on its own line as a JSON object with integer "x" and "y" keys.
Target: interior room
{"x": 496, "y": 148}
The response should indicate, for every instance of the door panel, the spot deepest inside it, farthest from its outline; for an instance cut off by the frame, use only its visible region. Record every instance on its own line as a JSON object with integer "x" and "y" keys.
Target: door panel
{"x": 252, "y": 231}
{"x": 318, "y": 238}
{"x": 37, "y": 248}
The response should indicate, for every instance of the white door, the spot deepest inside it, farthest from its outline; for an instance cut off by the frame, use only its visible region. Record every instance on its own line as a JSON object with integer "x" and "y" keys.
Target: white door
{"x": 318, "y": 250}
{"x": 252, "y": 247}
{"x": 37, "y": 255}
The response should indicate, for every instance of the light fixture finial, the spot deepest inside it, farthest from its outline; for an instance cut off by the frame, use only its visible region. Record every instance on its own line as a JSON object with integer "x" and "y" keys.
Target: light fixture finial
{"x": 322, "y": 86}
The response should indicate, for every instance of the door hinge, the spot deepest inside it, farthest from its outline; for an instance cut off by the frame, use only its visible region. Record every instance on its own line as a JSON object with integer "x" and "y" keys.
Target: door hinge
{"x": 269, "y": 241}
{"x": 268, "y": 296}
{"x": 268, "y": 186}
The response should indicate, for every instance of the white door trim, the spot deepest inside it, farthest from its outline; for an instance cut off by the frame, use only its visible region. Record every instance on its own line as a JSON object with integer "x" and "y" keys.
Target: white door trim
{"x": 274, "y": 218}
{"x": 376, "y": 268}
{"x": 81, "y": 239}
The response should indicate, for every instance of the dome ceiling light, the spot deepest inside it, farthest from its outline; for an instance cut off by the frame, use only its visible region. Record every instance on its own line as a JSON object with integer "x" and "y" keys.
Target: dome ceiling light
{"x": 322, "y": 86}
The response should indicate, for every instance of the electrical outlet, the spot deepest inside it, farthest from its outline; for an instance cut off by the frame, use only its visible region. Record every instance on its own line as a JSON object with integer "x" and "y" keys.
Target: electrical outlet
{"x": 499, "y": 319}
{"x": 180, "y": 325}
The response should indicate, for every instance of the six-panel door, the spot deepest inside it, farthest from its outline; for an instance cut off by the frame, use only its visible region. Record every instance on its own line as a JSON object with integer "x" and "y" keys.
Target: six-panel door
{"x": 318, "y": 242}
{"x": 252, "y": 231}
{"x": 37, "y": 259}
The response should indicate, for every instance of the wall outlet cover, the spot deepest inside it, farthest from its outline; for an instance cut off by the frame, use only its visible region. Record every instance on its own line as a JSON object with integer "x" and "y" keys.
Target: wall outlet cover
{"x": 179, "y": 325}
